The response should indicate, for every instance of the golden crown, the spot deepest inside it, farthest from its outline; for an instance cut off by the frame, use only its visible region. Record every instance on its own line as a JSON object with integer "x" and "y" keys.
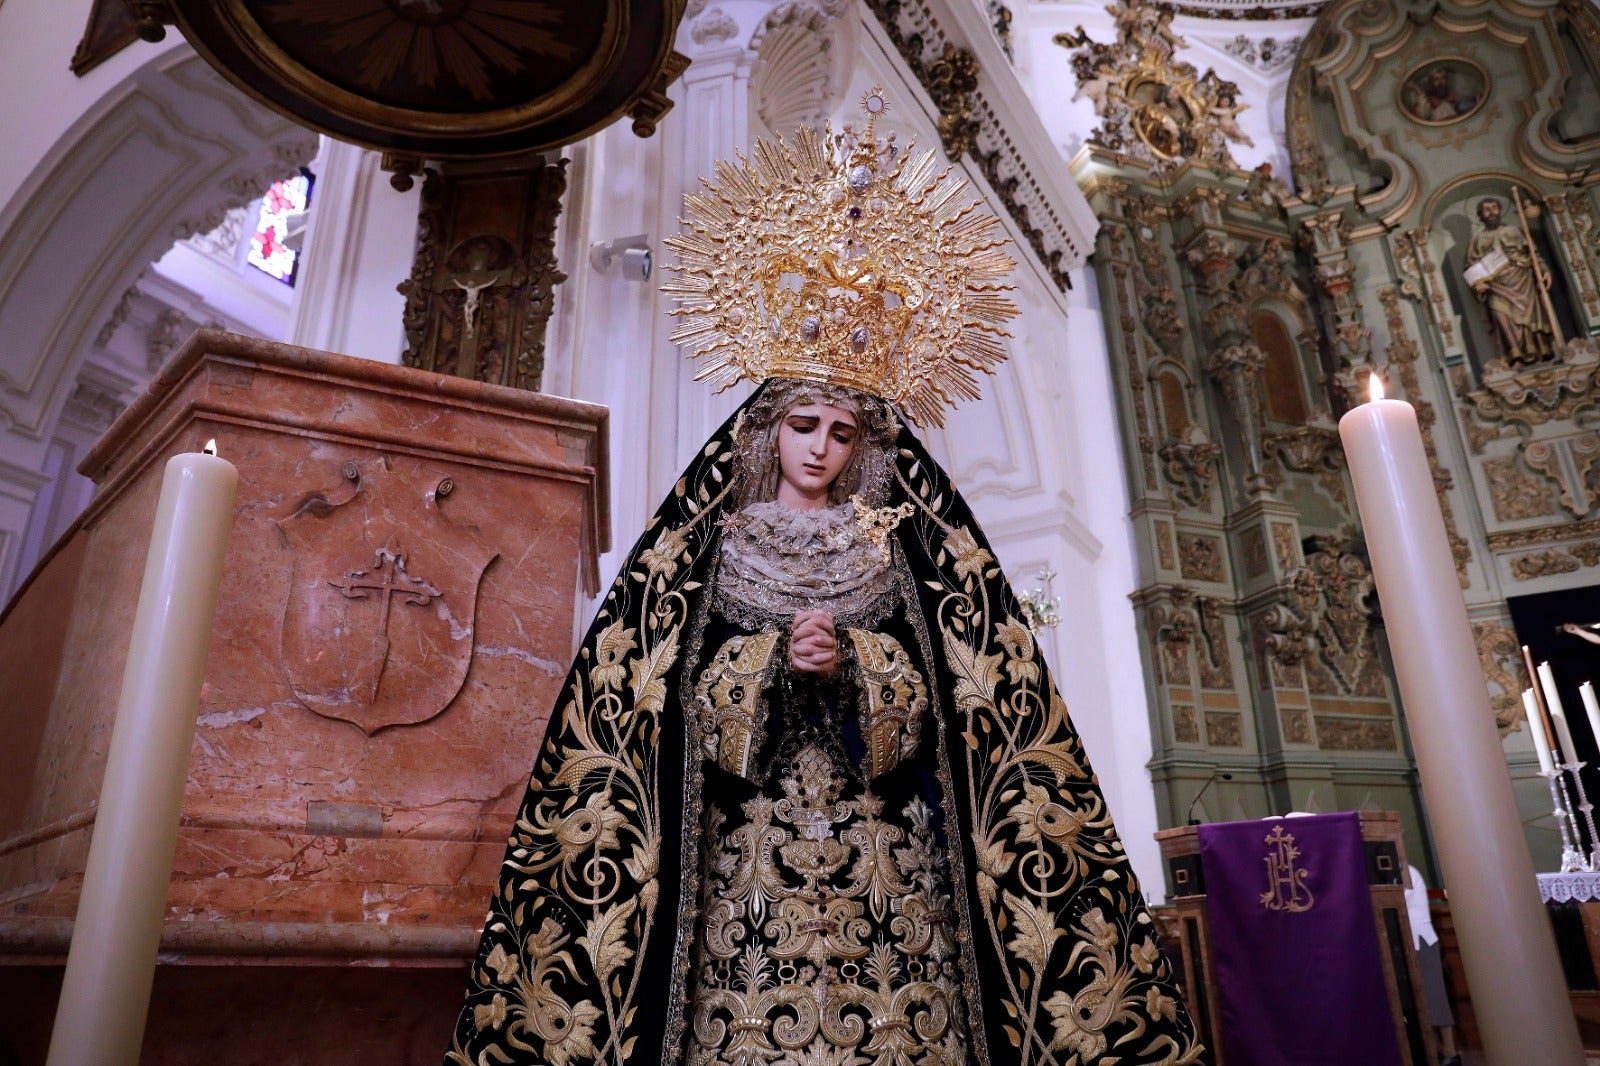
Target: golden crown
{"x": 846, "y": 260}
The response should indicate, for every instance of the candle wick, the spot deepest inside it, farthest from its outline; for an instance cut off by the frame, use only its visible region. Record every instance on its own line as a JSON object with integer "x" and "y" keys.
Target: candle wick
{"x": 211, "y": 447}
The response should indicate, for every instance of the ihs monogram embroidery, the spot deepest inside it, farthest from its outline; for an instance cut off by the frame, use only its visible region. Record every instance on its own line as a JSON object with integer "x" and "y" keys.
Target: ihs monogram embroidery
{"x": 1286, "y": 884}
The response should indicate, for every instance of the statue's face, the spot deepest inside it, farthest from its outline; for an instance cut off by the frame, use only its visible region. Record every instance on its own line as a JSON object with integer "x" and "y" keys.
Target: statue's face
{"x": 1489, "y": 212}
{"x": 815, "y": 441}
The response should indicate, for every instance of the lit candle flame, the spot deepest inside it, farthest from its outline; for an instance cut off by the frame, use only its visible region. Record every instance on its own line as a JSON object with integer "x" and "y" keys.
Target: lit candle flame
{"x": 1374, "y": 387}
{"x": 211, "y": 447}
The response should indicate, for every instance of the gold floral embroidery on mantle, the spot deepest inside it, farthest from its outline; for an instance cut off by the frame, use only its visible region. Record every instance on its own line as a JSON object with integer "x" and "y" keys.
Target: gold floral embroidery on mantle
{"x": 827, "y": 932}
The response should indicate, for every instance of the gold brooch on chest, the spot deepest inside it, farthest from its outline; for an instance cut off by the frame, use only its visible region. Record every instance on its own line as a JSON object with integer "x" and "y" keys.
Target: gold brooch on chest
{"x": 876, "y": 523}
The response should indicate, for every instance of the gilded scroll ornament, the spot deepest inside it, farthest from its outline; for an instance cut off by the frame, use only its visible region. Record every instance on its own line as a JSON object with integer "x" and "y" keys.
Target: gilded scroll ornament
{"x": 1548, "y": 392}
{"x": 1153, "y": 106}
{"x": 1500, "y": 654}
{"x": 1331, "y": 591}
{"x": 1308, "y": 448}
{"x": 894, "y": 698}
{"x": 1191, "y": 464}
{"x": 1567, "y": 461}
{"x": 1548, "y": 563}
{"x": 1200, "y": 557}
{"x": 1516, "y": 495}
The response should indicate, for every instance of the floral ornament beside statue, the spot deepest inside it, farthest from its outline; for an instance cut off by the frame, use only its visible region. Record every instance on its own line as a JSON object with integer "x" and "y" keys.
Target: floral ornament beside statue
{"x": 810, "y": 796}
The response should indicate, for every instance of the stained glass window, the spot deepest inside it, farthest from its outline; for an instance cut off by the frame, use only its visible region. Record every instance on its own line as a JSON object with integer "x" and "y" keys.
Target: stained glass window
{"x": 267, "y": 252}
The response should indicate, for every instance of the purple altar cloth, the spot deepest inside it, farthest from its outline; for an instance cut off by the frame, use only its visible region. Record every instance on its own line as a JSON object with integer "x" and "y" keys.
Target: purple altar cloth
{"x": 1299, "y": 975}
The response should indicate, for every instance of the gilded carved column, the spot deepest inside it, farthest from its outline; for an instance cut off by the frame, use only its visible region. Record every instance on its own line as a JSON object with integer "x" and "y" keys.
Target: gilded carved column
{"x": 1572, "y": 217}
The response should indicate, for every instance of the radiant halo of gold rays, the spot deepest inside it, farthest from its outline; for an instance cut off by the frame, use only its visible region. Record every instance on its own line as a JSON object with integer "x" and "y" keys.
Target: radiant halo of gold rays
{"x": 845, "y": 259}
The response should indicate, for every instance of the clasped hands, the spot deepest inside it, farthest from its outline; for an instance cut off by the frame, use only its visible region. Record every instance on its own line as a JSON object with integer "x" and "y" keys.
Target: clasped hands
{"x": 813, "y": 645}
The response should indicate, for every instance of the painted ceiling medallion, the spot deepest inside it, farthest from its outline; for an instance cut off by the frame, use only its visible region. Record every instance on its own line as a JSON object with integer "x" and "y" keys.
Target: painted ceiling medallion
{"x": 442, "y": 78}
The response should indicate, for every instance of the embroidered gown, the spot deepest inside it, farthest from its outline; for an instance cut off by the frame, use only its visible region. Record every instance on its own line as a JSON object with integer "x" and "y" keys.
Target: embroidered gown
{"x": 826, "y": 926}
{"x": 908, "y": 864}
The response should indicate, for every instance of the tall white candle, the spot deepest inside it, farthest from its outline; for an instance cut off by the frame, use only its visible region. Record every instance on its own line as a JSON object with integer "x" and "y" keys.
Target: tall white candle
{"x": 1591, "y": 709}
{"x": 105, "y": 994}
{"x": 1558, "y": 714}
{"x": 1507, "y": 948}
{"x": 1540, "y": 748}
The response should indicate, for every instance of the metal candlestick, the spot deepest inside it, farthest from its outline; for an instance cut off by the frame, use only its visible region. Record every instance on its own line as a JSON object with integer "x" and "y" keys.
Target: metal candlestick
{"x": 1588, "y": 813}
{"x": 1571, "y": 857}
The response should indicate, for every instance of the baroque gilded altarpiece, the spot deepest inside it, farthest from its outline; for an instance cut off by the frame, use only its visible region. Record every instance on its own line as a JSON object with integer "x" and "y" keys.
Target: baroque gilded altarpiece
{"x": 1243, "y": 314}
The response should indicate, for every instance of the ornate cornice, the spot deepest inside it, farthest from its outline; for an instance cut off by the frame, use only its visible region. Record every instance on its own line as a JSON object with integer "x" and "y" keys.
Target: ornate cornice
{"x": 962, "y": 74}
{"x": 1527, "y": 538}
{"x": 1242, "y": 10}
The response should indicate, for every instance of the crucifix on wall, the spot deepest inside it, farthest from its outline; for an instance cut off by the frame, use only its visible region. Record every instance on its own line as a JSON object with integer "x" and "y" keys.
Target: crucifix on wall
{"x": 483, "y": 283}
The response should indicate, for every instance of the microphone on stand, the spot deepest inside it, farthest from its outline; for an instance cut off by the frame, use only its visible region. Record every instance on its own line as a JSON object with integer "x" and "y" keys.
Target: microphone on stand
{"x": 1216, "y": 775}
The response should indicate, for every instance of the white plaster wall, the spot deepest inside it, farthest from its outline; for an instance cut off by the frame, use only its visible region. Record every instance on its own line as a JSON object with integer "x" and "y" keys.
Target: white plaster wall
{"x": 359, "y": 245}
{"x": 43, "y": 98}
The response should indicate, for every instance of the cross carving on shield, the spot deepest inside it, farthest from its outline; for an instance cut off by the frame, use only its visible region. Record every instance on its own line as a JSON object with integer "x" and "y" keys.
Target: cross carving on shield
{"x": 378, "y": 625}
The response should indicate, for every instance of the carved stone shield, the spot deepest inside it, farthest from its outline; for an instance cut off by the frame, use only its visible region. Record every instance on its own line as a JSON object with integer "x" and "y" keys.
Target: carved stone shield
{"x": 378, "y": 624}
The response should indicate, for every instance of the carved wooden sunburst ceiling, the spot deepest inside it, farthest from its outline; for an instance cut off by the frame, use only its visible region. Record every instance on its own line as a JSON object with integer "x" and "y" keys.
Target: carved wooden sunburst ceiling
{"x": 442, "y": 78}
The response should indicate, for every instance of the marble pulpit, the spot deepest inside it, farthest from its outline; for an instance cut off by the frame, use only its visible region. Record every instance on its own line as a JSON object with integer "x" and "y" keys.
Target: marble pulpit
{"x": 398, "y": 608}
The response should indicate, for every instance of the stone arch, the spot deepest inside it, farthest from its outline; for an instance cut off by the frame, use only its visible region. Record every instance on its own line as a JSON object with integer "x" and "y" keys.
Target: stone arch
{"x": 1174, "y": 397}
{"x": 161, "y": 156}
{"x": 1283, "y": 387}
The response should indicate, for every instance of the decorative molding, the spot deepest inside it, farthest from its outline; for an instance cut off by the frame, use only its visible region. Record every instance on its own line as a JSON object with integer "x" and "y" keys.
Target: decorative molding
{"x": 797, "y": 77}
{"x": 986, "y": 120}
{"x": 1330, "y": 592}
{"x": 1354, "y": 734}
{"x": 1224, "y": 729}
{"x": 1528, "y": 538}
{"x": 1241, "y": 10}
{"x": 1310, "y": 448}
{"x": 221, "y": 243}
{"x": 1267, "y": 54}
{"x": 170, "y": 329}
{"x": 1200, "y": 557}
{"x": 1499, "y": 652}
{"x": 1514, "y": 494}
{"x": 1564, "y": 560}
{"x": 1544, "y": 392}
{"x": 93, "y": 406}
{"x": 1236, "y": 369}
{"x": 177, "y": 136}
{"x": 1568, "y": 461}
{"x": 1191, "y": 464}
{"x": 712, "y": 28}
{"x": 1543, "y": 564}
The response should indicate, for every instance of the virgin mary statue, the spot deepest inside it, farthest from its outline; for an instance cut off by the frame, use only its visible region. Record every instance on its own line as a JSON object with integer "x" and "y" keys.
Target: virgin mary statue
{"x": 809, "y": 796}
